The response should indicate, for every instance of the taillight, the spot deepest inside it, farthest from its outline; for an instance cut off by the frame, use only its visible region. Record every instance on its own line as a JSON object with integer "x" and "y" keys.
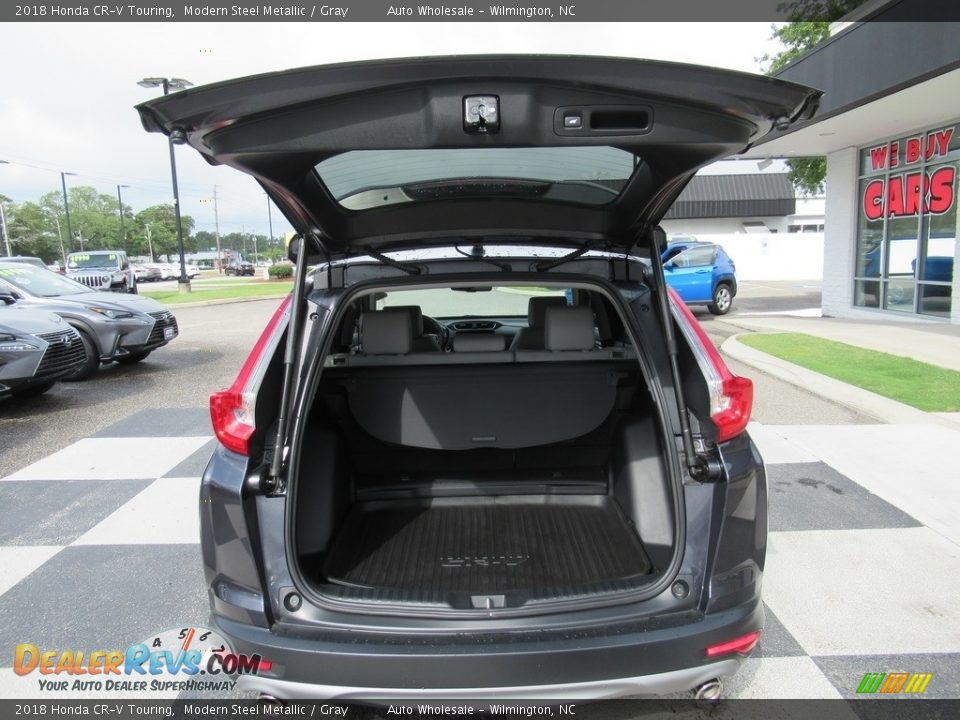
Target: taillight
{"x": 232, "y": 409}
{"x": 741, "y": 645}
{"x": 731, "y": 396}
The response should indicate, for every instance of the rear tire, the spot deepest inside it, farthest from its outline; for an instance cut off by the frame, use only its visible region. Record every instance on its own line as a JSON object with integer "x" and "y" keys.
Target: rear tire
{"x": 92, "y": 362}
{"x": 722, "y": 300}
{"x": 132, "y": 358}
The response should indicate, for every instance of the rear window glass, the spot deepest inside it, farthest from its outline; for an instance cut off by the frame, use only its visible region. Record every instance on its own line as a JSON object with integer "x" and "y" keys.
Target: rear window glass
{"x": 363, "y": 179}
{"x": 695, "y": 257}
{"x": 474, "y": 302}
{"x": 79, "y": 261}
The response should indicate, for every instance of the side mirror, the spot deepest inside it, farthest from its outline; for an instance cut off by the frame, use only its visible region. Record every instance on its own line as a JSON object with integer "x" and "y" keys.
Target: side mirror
{"x": 669, "y": 265}
{"x": 313, "y": 252}
{"x": 7, "y": 298}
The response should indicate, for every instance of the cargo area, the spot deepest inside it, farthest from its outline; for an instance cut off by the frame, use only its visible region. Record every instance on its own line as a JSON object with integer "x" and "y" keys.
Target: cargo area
{"x": 482, "y": 478}
{"x": 483, "y": 545}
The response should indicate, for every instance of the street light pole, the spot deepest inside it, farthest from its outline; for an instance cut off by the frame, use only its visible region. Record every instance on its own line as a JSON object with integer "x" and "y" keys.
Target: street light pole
{"x": 123, "y": 235}
{"x": 4, "y": 241}
{"x": 3, "y": 233}
{"x": 176, "y": 84}
{"x": 270, "y": 220}
{"x": 66, "y": 206}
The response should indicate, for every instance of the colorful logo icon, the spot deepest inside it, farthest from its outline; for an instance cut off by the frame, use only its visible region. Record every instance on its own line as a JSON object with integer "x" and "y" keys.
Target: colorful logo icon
{"x": 894, "y": 683}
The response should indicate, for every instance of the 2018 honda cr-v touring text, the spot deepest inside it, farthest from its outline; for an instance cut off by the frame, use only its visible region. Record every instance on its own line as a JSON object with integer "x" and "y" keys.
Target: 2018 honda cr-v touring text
{"x": 481, "y": 450}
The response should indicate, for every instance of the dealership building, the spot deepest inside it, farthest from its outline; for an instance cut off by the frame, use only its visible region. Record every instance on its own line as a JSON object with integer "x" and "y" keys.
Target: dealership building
{"x": 889, "y": 126}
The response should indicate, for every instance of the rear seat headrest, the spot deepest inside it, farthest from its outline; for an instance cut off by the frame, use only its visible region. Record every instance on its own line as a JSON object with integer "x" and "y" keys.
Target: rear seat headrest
{"x": 537, "y": 309}
{"x": 479, "y": 342}
{"x": 386, "y": 333}
{"x": 415, "y": 313}
{"x": 569, "y": 328}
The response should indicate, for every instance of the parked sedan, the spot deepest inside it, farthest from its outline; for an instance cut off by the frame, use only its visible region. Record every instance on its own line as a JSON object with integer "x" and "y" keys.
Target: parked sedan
{"x": 147, "y": 273}
{"x": 113, "y": 327}
{"x": 36, "y": 349}
{"x": 701, "y": 273}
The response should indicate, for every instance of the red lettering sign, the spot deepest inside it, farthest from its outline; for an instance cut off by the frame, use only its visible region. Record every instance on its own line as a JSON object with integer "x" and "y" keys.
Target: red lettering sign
{"x": 933, "y": 144}
{"x": 873, "y": 200}
{"x": 878, "y": 157}
{"x": 941, "y": 189}
{"x": 910, "y": 194}
{"x": 913, "y": 150}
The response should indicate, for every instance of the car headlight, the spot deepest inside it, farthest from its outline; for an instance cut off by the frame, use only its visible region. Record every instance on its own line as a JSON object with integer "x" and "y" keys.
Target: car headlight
{"x": 111, "y": 313}
{"x": 10, "y": 343}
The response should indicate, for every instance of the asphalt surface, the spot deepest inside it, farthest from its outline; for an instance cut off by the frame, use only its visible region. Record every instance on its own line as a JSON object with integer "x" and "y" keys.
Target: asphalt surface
{"x": 211, "y": 347}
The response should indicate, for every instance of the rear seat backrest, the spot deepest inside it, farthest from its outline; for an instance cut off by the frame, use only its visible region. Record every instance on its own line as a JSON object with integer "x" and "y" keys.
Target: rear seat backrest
{"x": 421, "y": 342}
{"x": 531, "y": 337}
{"x": 569, "y": 328}
{"x": 386, "y": 333}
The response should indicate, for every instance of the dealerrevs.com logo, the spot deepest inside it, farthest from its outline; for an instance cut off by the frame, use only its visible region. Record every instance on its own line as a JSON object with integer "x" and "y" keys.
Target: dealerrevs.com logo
{"x": 190, "y": 658}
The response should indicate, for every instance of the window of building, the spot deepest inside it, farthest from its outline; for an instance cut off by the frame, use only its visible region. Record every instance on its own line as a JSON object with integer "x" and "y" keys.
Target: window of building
{"x": 908, "y": 223}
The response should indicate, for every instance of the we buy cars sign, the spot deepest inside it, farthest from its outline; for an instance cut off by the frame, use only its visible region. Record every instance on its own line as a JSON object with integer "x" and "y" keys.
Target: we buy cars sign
{"x": 910, "y": 192}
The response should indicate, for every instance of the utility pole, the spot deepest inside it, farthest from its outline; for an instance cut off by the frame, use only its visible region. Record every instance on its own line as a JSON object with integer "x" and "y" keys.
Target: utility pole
{"x": 243, "y": 236}
{"x": 149, "y": 241}
{"x": 3, "y": 233}
{"x": 63, "y": 250}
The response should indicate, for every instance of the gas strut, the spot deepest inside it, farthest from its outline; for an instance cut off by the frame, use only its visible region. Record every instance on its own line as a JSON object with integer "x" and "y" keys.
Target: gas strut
{"x": 289, "y": 362}
{"x": 697, "y": 466}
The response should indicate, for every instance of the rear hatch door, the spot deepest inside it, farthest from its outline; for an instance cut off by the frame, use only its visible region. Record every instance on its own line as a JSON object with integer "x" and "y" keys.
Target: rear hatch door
{"x": 383, "y": 155}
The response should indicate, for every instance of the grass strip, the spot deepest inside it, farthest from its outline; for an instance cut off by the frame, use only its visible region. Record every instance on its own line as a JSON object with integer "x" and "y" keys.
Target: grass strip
{"x": 174, "y": 296}
{"x": 918, "y": 384}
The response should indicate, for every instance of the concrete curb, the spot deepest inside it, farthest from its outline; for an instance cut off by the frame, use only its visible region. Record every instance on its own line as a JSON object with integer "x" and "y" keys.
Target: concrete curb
{"x": 863, "y": 401}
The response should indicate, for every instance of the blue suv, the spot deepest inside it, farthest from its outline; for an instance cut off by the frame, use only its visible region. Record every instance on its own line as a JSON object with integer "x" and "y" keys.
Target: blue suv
{"x": 701, "y": 273}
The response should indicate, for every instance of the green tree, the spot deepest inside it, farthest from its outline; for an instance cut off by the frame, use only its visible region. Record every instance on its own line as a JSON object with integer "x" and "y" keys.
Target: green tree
{"x": 162, "y": 224}
{"x": 32, "y": 230}
{"x": 94, "y": 220}
{"x": 809, "y": 25}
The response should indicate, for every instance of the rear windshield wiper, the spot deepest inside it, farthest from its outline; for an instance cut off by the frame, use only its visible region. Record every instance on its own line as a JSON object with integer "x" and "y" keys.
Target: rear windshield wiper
{"x": 545, "y": 265}
{"x": 406, "y": 267}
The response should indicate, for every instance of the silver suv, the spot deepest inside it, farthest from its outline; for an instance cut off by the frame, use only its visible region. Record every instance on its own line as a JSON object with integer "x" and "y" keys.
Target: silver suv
{"x": 102, "y": 270}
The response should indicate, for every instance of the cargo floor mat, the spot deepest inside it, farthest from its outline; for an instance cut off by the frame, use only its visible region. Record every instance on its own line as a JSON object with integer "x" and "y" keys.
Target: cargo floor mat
{"x": 550, "y": 544}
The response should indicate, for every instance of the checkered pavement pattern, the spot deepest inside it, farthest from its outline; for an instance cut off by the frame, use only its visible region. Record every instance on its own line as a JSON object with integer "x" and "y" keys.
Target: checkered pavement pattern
{"x": 99, "y": 549}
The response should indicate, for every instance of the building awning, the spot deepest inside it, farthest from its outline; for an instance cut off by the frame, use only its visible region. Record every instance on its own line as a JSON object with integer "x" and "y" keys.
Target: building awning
{"x": 737, "y": 196}
{"x": 892, "y": 74}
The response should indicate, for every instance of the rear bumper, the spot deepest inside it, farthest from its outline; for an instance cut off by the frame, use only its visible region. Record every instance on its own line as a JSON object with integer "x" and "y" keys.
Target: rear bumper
{"x": 596, "y": 662}
{"x": 656, "y": 684}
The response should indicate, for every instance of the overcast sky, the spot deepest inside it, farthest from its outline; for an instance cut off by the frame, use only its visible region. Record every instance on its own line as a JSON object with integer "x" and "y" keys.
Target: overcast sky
{"x": 68, "y": 90}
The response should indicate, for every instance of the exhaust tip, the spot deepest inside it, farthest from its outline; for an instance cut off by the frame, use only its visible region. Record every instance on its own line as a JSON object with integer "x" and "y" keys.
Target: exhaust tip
{"x": 710, "y": 690}
{"x": 270, "y": 699}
